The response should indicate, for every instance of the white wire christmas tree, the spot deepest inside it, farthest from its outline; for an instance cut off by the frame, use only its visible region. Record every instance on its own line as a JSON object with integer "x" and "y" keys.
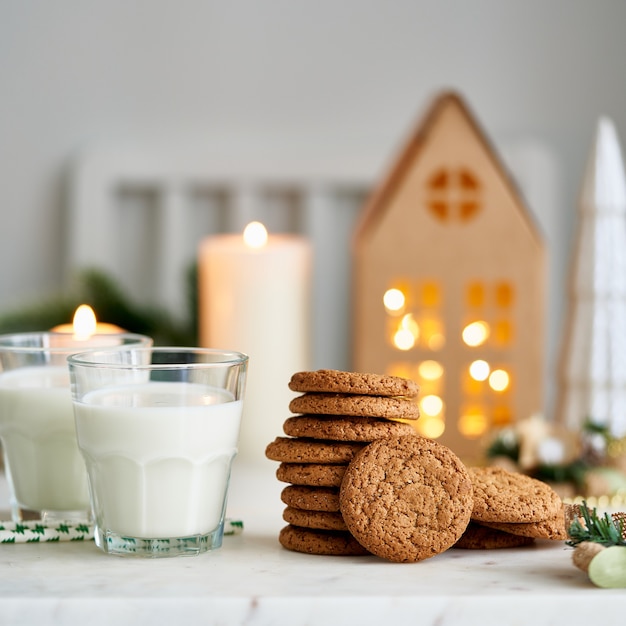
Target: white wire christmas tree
{"x": 593, "y": 383}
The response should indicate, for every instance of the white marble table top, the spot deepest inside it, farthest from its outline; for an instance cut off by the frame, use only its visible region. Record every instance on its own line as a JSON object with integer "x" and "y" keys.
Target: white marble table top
{"x": 252, "y": 580}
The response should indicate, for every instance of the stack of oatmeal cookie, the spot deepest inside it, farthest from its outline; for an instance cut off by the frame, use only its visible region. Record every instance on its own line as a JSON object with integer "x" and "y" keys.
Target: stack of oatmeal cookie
{"x": 338, "y": 414}
{"x": 361, "y": 481}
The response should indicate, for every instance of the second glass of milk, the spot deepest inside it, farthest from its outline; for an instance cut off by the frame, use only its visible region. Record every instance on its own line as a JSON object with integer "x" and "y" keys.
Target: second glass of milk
{"x": 158, "y": 429}
{"x": 45, "y": 470}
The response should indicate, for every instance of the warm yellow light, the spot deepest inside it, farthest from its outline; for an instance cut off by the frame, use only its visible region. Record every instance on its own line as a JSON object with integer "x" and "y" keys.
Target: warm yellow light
{"x": 501, "y": 416}
{"x": 403, "y": 339}
{"x": 408, "y": 322}
{"x": 431, "y": 405}
{"x": 403, "y": 370}
{"x": 431, "y": 427}
{"x": 255, "y": 235}
{"x": 432, "y": 333}
{"x": 84, "y": 325}
{"x": 479, "y": 370}
{"x": 394, "y": 300}
{"x": 476, "y": 294}
{"x": 436, "y": 341}
{"x": 84, "y": 322}
{"x": 499, "y": 380}
{"x": 476, "y": 333}
{"x": 407, "y": 334}
{"x": 430, "y": 295}
{"x": 430, "y": 370}
{"x": 473, "y": 424}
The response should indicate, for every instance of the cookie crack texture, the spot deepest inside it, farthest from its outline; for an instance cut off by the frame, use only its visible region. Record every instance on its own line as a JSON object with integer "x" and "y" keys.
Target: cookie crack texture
{"x": 406, "y": 498}
{"x": 502, "y": 496}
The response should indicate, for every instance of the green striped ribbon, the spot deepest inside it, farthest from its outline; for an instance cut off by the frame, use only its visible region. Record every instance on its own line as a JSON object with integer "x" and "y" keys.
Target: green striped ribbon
{"x": 37, "y": 531}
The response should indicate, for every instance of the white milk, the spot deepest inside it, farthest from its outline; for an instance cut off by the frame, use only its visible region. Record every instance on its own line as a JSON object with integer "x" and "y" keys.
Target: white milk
{"x": 39, "y": 439}
{"x": 157, "y": 468}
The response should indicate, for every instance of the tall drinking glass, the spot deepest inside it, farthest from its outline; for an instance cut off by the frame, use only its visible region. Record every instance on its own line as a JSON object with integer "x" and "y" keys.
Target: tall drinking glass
{"x": 44, "y": 468}
{"x": 158, "y": 429}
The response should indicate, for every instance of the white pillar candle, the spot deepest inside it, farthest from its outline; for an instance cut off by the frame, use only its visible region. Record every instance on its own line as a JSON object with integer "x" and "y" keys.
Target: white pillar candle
{"x": 256, "y": 299}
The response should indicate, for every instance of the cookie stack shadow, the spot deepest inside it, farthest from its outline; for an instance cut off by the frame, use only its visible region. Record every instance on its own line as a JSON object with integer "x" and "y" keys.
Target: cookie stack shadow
{"x": 336, "y": 415}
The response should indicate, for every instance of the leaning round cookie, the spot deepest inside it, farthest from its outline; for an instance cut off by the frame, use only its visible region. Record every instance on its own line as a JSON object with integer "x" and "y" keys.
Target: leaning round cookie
{"x": 406, "y": 498}
{"x": 358, "y": 406}
{"x": 324, "y": 542}
{"x": 304, "y": 450}
{"x": 344, "y": 428}
{"x": 311, "y": 498}
{"x": 504, "y": 496}
{"x": 553, "y": 528}
{"x": 336, "y": 381}
{"x": 311, "y": 474}
{"x": 478, "y": 537}
{"x": 321, "y": 520}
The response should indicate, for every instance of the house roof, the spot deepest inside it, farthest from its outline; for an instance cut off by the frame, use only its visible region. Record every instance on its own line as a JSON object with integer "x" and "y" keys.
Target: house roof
{"x": 382, "y": 196}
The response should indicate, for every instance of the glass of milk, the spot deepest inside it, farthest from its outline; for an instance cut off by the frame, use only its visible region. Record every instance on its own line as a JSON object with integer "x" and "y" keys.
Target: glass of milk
{"x": 158, "y": 429}
{"x": 44, "y": 468}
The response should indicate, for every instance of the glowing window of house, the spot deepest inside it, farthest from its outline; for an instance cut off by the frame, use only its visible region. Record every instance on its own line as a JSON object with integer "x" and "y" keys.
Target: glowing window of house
{"x": 430, "y": 295}
{"x": 394, "y": 301}
{"x": 471, "y": 386}
{"x": 431, "y": 405}
{"x": 431, "y": 325}
{"x": 431, "y": 427}
{"x": 503, "y": 332}
{"x": 479, "y": 370}
{"x": 473, "y": 422}
{"x": 403, "y": 369}
{"x": 476, "y": 333}
{"x": 504, "y": 295}
{"x": 476, "y": 295}
{"x": 432, "y": 334}
{"x": 499, "y": 380}
{"x": 502, "y": 415}
{"x": 430, "y": 370}
{"x": 430, "y": 377}
{"x": 407, "y": 333}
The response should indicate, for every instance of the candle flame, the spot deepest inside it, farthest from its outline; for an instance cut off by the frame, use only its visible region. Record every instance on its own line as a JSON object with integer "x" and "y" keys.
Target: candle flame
{"x": 255, "y": 235}
{"x": 84, "y": 322}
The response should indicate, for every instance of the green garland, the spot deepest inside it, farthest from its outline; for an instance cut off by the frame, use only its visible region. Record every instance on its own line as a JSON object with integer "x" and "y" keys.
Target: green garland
{"x": 95, "y": 288}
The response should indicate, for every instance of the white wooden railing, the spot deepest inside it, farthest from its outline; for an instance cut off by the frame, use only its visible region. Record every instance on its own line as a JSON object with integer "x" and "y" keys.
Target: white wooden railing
{"x": 140, "y": 214}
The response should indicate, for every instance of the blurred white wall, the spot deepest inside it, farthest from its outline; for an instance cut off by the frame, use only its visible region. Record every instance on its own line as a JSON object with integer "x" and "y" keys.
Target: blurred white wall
{"x": 343, "y": 78}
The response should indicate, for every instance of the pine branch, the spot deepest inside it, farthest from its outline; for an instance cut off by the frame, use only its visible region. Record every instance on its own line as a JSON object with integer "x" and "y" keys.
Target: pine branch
{"x": 605, "y": 530}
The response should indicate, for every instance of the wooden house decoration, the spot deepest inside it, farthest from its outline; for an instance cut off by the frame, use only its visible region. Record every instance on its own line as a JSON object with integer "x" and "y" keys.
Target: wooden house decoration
{"x": 448, "y": 283}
